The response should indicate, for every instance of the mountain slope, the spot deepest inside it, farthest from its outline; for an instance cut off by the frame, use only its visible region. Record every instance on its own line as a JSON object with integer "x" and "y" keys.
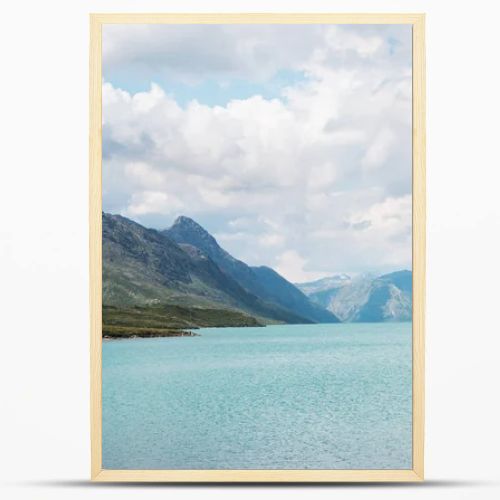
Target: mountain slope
{"x": 324, "y": 284}
{"x": 142, "y": 266}
{"x": 365, "y": 298}
{"x": 390, "y": 299}
{"x": 260, "y": 281}
{"x": 274, "y": 287}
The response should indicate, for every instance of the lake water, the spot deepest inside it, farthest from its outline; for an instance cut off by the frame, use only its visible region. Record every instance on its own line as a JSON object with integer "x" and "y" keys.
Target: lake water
{"x": 281, "y": 397}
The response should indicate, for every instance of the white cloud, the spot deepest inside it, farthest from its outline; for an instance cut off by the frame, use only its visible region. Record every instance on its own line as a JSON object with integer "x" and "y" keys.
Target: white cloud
{"x": 315, "y": 181}
{"x": 271, "y": 240}
{"x": 341, "y": 41}
{"x": 223, "y": 238}
{"x": 146, "y": 202}
{"x": 142, "y": 175}
{"x": 193, "y": 52}
{"x": 379, "y": 150}
{"x": 292, "y": 265}
{"x": 392, "y": 214}
{"x": 383, "y": 231}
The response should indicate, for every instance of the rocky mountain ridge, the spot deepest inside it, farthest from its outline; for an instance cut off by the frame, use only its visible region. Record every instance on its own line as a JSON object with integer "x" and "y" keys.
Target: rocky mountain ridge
{"x": 364, "y": 298}
{"x": 185, "y": 266}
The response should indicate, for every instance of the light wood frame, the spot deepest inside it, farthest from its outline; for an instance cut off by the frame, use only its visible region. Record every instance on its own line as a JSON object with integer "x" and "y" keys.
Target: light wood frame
{"x": 97, "y": 472}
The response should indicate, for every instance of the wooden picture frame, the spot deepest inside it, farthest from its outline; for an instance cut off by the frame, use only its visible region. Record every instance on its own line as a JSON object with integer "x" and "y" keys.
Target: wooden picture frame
{"x": 418, "y": 197}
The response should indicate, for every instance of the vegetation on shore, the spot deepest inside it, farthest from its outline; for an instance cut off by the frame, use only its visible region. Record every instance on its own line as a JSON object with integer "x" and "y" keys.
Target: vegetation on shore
{"x": 165, "y": 320}
{"x": 127, "y": 332}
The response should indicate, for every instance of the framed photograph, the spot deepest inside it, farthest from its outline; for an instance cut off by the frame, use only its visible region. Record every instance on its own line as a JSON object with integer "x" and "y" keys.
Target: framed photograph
{"x": 257, "y": 247}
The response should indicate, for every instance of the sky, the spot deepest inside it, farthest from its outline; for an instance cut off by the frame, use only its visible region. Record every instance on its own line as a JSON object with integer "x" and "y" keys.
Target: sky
{"x": 291, "y": 144}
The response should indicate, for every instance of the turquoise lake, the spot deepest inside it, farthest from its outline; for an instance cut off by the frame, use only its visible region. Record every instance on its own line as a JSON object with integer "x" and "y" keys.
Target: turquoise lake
{"x": 280, "y": 397}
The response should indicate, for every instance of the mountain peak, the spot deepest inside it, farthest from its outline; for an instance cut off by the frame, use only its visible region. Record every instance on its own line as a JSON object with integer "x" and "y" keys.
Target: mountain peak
{"x": 184, "y": 221}
{"x": 186, "y": 230}
{"x": 185, "y": 227}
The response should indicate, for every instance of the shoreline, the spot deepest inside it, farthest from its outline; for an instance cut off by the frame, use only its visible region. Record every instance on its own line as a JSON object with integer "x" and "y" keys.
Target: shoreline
{"x": 112, "y": 332}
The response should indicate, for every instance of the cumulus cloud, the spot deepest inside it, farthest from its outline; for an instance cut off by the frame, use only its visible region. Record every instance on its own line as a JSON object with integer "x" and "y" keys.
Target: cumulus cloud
{"x": 146, "y": 202}
{"x": 254, "y": 52}
{"x": 379, "y": 150}
{"x": 292, "y": 265}
{"x": 314, "y": 181}
{"x": 191, "y": 53}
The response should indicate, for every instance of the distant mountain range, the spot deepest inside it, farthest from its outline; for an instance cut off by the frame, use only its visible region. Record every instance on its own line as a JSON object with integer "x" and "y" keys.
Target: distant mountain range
{"x": 364, "y": 298}
{"x": 185, "y": 266}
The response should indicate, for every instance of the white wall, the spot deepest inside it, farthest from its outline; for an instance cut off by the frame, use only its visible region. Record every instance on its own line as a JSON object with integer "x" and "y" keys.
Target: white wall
{"x": 43, "y": 248}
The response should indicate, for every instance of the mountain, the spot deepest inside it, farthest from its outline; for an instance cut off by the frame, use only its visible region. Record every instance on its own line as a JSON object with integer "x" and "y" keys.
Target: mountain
{"x": 274, "y": 287}
{"x": 324, "y": 284}
{"x": 262, "y": 282}
{"x": 365, "y": 298}
{"x": 146, "y": 267}
{"x": 390, "y": 299}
